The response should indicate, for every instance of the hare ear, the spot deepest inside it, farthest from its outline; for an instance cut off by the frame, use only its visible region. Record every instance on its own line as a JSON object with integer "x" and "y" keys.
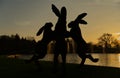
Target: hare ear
{"x": 63, "y": 12}
{"x": 81, "y": 16}
{"x": 55, "y": 10}
{"x": 40, "y": 31}
{"x": 82, "y": 22}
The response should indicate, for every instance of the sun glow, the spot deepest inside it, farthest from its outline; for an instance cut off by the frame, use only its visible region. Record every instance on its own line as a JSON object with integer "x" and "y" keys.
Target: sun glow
{"x": 117, "y": 35}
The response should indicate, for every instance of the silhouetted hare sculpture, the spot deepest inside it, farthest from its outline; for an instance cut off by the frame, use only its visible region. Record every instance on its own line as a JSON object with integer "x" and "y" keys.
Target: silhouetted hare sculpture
{"x": 41, "y": 46}
{"x": 60, "y": 31}
{"x": 76, "y": 35}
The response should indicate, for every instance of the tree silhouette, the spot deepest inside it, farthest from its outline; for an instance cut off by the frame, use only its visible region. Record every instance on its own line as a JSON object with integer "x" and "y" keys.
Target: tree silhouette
{"x": 107, "y": 41}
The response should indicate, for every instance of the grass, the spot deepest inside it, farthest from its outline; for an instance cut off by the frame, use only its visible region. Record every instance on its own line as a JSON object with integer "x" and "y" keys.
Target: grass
{"x": 16, "y": 68}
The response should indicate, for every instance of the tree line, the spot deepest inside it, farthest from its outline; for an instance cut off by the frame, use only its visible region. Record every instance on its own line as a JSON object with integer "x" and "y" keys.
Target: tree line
{"x": 14, "y": 44}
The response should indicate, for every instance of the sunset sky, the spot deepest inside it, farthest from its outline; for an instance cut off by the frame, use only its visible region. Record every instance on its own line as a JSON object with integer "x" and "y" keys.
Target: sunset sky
{"x": 25, "y": 17}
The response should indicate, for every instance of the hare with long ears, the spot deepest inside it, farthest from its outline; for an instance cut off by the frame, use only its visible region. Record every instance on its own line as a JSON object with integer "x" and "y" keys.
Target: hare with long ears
{"x": 76, "y": 35}
{"x": 41, "y": 46}
{"x": 60, "y": 32}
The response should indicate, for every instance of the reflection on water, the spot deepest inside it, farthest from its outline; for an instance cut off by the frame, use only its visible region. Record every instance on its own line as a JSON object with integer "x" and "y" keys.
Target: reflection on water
{"x": 119, "y": 57}
{"x": 112, "y": 60}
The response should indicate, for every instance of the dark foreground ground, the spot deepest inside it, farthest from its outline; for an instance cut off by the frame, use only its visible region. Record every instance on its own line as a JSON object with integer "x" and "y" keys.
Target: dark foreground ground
{"x": 16, "y": 68}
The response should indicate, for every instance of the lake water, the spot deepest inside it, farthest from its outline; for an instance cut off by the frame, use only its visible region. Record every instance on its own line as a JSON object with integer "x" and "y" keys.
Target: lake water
{"x": 110, "y": 60}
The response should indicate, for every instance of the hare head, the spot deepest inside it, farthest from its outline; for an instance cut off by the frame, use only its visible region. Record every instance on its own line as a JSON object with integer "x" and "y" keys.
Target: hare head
{"x": 78, "y": 21}
{"x": 59, "y": 14}
{"x": 46, "y": 26}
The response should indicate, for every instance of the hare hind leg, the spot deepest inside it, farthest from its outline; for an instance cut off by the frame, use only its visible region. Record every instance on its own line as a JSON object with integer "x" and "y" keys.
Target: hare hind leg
{"x": 83, "y": 61}
{"x": 91, "y": 58}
